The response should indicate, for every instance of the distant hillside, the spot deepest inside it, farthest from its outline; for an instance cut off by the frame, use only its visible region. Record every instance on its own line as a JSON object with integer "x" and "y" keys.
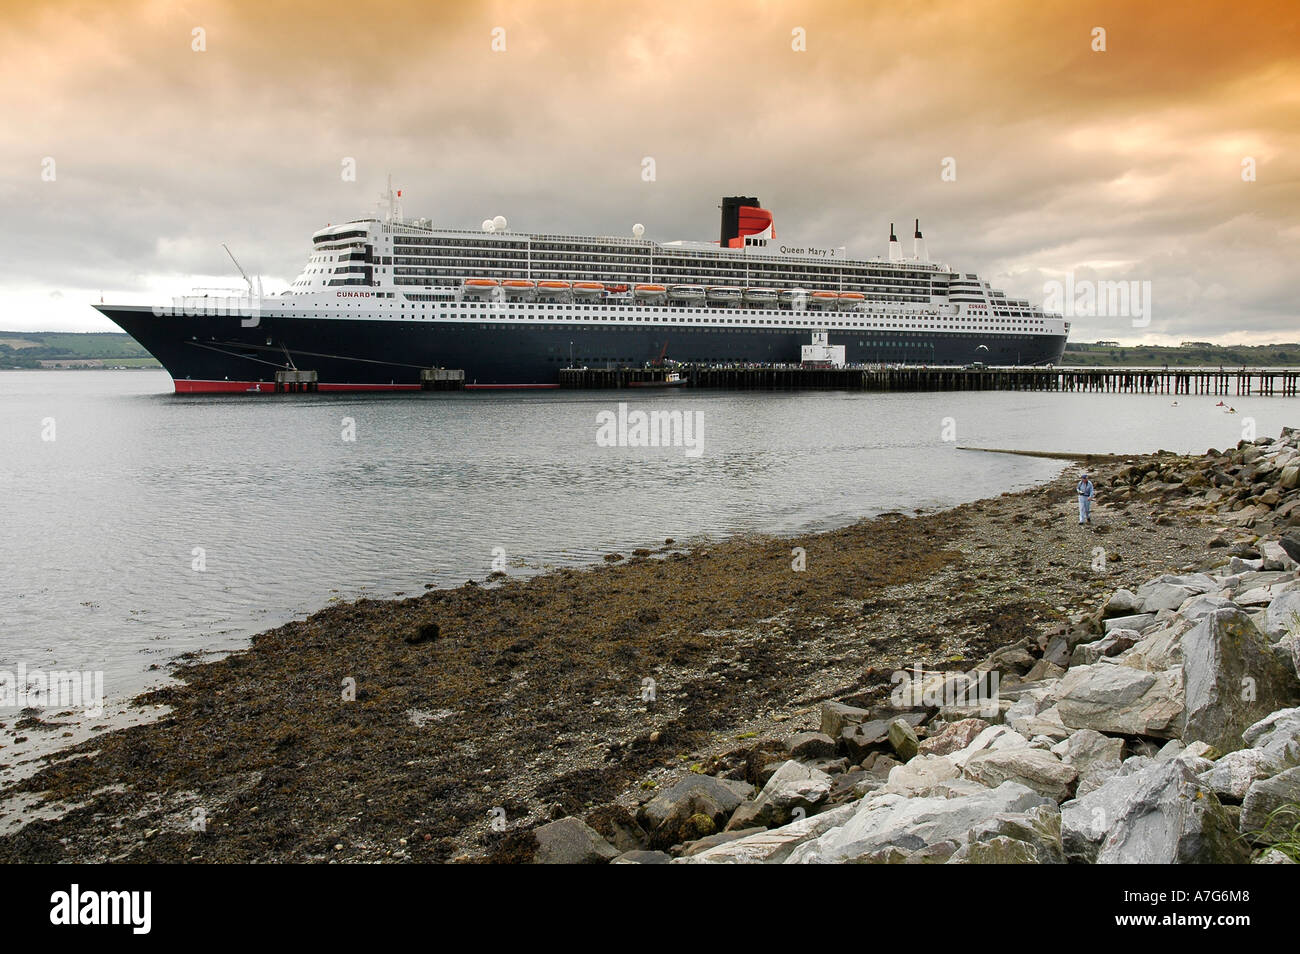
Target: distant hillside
{"x": 1188, "y": 354}
{"x": 52, "y": 349}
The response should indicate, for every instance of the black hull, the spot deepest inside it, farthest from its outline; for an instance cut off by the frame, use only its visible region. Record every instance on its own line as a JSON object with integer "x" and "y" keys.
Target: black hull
{"x": 207, "y": 353}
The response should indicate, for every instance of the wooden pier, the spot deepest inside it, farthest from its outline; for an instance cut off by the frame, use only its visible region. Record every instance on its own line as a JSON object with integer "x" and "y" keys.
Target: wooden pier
{"x": 1243, "y": 382}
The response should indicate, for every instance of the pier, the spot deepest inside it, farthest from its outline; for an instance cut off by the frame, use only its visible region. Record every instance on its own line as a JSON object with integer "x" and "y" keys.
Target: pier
{"x": 1243, "y": 382}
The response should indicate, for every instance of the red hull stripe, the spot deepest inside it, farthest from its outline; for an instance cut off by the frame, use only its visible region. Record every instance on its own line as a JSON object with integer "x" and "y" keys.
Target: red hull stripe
{"x": 189, "y": 386}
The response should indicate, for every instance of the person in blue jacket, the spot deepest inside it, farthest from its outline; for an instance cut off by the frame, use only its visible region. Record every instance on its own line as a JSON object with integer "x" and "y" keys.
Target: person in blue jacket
{"x": 1087, "y": 494}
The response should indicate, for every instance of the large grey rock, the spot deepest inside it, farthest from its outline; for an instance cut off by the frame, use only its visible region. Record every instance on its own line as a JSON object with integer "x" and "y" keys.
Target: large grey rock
{"x": 995, "y": 737}
{"x": 1138, "y": 621}
{"x": 1115, "y": 698}
{"x": 837, "y": 715}
{"x": 666, "y": 817}
{"x": 810, "y": 745}
{"x": 1159, "y": 814}
{"x": 902, "y": 737}
{"x": 1094, "y": 756}
{"x": 775, "y": 845}
{"x": 1032, "y": 837}
{"x": 1158, "y": 596}
{"x": 1037, "y": 769}
{"x": 1232, "y": 775}
{"x": 1231, "y": 679}
{"x": 1283, "y": 614}
{"x": 1121, "y": 603}
{"x": 639, "y": 856}
{"x": 570, "y": 841}
{"x": 1198, "y": 606}
{"x": 1280, "y": 794}
{"x": 793, "y": 786}
{"x": 920, "y": 776}
{"x": 884, "y": 820}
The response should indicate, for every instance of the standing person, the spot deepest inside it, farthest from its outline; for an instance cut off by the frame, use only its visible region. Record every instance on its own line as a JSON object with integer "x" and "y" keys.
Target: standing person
{"x": 1087, "y": 494}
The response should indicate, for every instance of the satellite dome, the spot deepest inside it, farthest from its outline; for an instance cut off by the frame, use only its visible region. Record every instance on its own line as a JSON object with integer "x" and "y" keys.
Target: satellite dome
{"x": 500, "y": 223}
{"x": 638, "y": 230}
{"x": 488, "y": 225}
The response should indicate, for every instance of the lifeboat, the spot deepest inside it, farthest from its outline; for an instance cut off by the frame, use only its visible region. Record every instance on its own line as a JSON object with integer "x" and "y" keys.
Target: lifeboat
{"x": 649, "y": 292}
{"x": 760, "y": 296}
{"x": 481, "y": 287}
{"x": 790, "y": 296}
{"x": 827, "y": 299}
{"x": 687, "y": 292}
{"x": 519, "y": 286}
{"x": 551, "y": 289}
{"x": 588, "y": 289}
{"x": 724, "y": 293}
{"x": 849, "y": 300}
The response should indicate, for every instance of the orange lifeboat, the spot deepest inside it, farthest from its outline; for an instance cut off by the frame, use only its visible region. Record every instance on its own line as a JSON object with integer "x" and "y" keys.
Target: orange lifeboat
{"x": 519, "y": 286}
{"x": 551, "y": 288}
{"x": 828, "y": 298}
{"x": 649, "y": 292}
{"x": 588, "y": 289}
{"x": 851, "y": 299}
{"x": 481, "y": 286}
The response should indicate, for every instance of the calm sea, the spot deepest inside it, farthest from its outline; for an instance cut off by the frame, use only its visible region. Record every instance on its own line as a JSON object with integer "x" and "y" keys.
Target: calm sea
{"x": 137, "y": 525}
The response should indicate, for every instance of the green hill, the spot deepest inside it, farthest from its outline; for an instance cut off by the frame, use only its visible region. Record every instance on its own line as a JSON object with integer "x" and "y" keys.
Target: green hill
{"x": 1190, "y": 354}
{"x": 43, "y": 349}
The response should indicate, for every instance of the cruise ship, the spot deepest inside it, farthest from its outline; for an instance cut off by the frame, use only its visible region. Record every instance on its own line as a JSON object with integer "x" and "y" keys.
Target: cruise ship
{"x": 384, "y": 302}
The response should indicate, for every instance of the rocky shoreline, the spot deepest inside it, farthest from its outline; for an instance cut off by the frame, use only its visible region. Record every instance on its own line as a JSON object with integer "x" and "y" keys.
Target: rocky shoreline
{"x": 993, "y": 683}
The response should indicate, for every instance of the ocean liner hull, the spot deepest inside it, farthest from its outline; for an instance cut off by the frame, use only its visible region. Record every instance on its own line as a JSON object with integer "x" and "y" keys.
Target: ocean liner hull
{"x": 214, "y": 354}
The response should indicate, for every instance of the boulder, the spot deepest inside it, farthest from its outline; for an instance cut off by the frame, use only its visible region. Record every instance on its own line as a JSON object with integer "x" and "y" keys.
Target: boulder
{"x": 953, "y": 737}
{"x": 570, "y": 841}
{"x": 775, "y": 845}
{"x": 1037, "y": 769}
{"x": 1139, "y": 622}
{"x": 793, "y": 786}
{"x": 810, "y": 745}
{"x": 903, "y": 740}
{"x": 640, "y": 857}
{"x": 837, "y": 715}
{"x": 1112, "y": 698}
{"x": 1121, "y": 603}
{"x": 1231, "y": 679}
{"x": 1280, "y": 794}
{"x": 1157, "y": 596}
{"x": 1032, "y": 837}
{"x": 994, "y": 738}
{"x": 1095, "y": 757}
{"x": 1283, "y": 614}
{"x": 668, "y": 816}
{"x": 920, "y": 776}
{"x": 888, "y": 820}
{"x": 1158, "y": 814}
{"x": 1231, "y": 776}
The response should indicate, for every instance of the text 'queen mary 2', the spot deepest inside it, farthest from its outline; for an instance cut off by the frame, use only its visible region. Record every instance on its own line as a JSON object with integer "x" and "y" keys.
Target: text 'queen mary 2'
{"x": 384, "y": 299}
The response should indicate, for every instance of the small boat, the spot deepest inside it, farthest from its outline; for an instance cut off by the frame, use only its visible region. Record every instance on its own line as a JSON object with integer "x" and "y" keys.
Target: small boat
{"x": 827, "y": 299}
{"x": 687, "y": 292}
{"x": 670, "y": 380}
{"x": 552, "y": 289}
{"x": 481, "y": 287}
{"x": 519, "y": 286}
{"x": 588, "y": 289}
{"x": 650, "y": 292}
{"x": 760, "y": 296}
{"x": 724, "y": 293}
{"x": 850, "y": 299}
{"x": 790, "y": 296}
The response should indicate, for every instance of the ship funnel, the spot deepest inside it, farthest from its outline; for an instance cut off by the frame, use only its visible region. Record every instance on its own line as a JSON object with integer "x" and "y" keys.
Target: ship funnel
{"x": 919, "y": 251}
{"x": 895, "y": 249}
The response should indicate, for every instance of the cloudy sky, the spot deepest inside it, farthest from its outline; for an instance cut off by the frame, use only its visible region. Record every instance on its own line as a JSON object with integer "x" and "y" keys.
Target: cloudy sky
{"x": 128, "y": 156}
